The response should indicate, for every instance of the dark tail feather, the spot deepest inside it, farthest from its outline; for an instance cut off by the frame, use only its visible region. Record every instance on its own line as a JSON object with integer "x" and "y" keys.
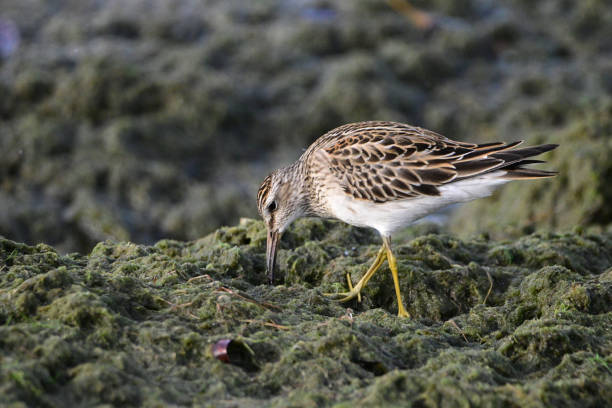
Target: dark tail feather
{"x": 520, "y": 154}
{"x": 489, "y": 151}
{"x": 516, "y": 160}
{"x": 521, "y": 163}
{"x": 473, "y": 167}
{"x": 501, "y": 158}
{"x": 525, "y": 174}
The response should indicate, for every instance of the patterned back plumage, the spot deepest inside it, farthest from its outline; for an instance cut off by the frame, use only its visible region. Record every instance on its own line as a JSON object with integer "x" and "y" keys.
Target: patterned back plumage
{"x": 386, "y": 161}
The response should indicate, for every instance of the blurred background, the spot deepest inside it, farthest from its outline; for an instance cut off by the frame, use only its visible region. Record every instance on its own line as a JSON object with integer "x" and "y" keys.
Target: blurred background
{"x": 147, "y": 119}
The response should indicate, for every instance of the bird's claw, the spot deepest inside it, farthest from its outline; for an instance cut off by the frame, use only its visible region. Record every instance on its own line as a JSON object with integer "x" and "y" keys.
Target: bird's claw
{"x": 351, "y": 294}
{"x": 344, "y": 296}
{"x": 403, "y": 313}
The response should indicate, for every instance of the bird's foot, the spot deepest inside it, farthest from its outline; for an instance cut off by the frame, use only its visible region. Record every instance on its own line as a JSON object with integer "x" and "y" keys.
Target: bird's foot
{"x": 345, "y": 296}
{"x": 351, "y": 294}
{"x": 401, "y": 312}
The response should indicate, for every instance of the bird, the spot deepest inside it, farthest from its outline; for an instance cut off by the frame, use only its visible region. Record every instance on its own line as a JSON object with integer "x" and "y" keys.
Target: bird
{"x": 386, "y": 175}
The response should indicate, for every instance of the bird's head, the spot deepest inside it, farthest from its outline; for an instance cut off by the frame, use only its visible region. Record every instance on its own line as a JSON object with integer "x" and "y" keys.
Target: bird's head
{"x": 279, "y": 202}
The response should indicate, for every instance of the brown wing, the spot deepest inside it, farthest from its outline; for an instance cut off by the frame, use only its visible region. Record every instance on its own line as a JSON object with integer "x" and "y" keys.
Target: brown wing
{"x": 385, "y": 161}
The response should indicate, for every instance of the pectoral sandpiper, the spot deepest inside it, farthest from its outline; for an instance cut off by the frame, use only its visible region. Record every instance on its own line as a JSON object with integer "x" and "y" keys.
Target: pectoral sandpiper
{"x": 385, "y": 175}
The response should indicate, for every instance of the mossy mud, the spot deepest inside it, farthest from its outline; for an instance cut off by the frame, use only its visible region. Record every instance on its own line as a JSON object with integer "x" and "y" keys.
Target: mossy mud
{"x": 170, "y": 114}
{"x": 524, "y": 323}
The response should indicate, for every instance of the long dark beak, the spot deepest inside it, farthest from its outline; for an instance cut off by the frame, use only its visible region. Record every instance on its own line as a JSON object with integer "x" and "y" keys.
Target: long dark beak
{"x": 273, "y": 239}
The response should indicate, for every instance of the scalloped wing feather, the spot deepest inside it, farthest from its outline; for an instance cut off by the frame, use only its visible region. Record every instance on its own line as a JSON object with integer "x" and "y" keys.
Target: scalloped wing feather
{"x": 387, "y": 161}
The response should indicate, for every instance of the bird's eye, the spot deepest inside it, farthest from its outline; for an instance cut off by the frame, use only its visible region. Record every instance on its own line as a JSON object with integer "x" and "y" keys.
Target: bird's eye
{"x": 272, "y": 206}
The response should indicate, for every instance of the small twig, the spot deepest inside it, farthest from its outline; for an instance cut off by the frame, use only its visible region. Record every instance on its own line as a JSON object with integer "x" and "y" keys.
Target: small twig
{"x": 420, "y": 19}
{"x": 165, "y": 301}
{"x": 206, "y": 276}
{"x": 490, "y": 287}
{"x": 456, "y": 326}
{"x": 262, "y": 304}
{"x": 174, "y": 306}
{"x": 269, "y": 324}
{"x": 323, "y": 324}
{"x": 182, "y": 305}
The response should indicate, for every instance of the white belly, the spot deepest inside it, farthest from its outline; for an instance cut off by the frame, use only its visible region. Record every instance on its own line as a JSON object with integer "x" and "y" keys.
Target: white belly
{"x": 393, "y": 215}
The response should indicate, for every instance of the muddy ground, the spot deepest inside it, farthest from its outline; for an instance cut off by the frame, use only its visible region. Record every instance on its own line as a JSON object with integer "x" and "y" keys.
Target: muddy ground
{"x": 130, "y": 131}
{"x": 159, "y": 119}
{"x": 524, "y": 323}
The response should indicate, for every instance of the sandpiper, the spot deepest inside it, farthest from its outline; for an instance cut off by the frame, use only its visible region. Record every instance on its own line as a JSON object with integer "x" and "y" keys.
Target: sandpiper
{"x": 386, "y": 175}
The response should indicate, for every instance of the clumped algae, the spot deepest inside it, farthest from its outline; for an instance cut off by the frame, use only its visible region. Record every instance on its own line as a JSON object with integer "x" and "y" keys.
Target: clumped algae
{"x": 521, "y": 323}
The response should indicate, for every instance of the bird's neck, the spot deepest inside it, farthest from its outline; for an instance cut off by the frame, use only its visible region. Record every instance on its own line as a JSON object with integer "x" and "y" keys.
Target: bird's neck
{"x": 296, "y": 177}
{"x": 307, "y": 188}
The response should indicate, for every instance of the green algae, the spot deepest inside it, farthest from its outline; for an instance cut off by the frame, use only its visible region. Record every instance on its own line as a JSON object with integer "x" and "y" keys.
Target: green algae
{"x": 523, "y": 323}
{"x": 169, "y": 119}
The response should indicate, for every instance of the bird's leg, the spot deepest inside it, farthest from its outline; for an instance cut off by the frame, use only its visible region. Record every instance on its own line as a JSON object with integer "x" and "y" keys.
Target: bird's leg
{"x": 393, "y": 266}
{"x": 380, "y": 258}
{"x": 356, "y": 290}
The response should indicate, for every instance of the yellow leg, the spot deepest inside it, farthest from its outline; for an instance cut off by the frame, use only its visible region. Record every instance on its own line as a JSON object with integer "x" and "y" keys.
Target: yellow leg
{"x": 350, "y": 285}
{"x": 393, "y": 266}
{"x": 380, "y": 258}
{"x": 384, "y": 252}
{"x": 356, "y": 291}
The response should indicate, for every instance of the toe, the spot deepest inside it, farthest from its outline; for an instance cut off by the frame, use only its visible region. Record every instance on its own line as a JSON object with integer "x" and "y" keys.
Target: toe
{"x": 343, "y": 296}
{"x": 337, "y": 294}
{"x": 403, "y": 313}
{"x": 349, "y": 296}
